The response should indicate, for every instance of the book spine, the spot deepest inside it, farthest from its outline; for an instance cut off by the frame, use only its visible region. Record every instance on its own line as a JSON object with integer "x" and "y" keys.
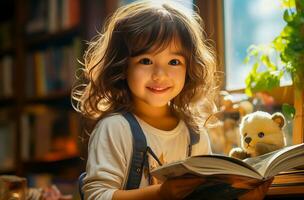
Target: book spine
{"x": 74, "y": 12}
{"x": 25, "y": 138}
{"x": 30, "y": 76}
{"x": 7, "y": 64}
{"x": 38, "y": 19}
{"x": 6, "y": 79}
{"x": 7, "y": 145}
{"x": 53, "y": 23}
{"x": 39, "y": 74}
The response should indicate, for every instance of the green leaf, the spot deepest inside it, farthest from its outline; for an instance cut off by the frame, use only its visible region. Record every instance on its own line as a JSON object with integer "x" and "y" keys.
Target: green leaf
{"x": 253, "y": 50}
{"x": 255, "y": 68}
{"x": 266, "y": 61}
{"x": 288, "y": 3}
{"x": 247, "y": 59}
{"x": 278, "y": 44}
{"x": 248, "y": 91}
{"x": 288, "y": 111}
{"x": 288, "y": 46}
{"x": 287, "y": 17}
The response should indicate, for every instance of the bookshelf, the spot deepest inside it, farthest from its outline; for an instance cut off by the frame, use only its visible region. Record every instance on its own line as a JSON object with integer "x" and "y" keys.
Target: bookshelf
{"x": 7, "y": 100}
{"x": 40, "y": 42}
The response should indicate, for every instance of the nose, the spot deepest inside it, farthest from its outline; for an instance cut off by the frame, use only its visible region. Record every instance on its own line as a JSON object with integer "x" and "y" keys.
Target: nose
{"x": 248, "y": 140}
{"x": 158, "y": 72}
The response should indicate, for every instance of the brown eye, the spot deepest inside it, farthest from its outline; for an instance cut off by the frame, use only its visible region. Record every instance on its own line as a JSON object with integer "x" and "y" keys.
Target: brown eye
{"x": 145, "y": 61}
{"x": 174, "y": 62}
{"x": 245, "y": 134}
{"x": 261, "y": 134}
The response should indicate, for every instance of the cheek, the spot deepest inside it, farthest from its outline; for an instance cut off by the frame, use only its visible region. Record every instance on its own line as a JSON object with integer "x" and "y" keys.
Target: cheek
{"x": 135, "y": 77}
{"x": 179, "y": 76}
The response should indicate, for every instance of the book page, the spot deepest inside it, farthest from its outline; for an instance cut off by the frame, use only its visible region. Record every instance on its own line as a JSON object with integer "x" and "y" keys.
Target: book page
{"x": 272, "y": 163}
{"x": 206, "y": 165}
{"x": 220, "y": 164}
{"x": 169, "y": 171}
{"x": 259, "y": 163}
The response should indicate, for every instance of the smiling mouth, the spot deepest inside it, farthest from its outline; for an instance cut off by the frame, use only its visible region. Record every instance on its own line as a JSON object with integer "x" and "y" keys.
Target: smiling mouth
{"x": 158, "y": 90}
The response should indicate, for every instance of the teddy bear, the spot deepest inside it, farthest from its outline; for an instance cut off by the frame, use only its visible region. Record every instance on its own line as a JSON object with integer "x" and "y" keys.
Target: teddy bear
{"x": 233, "y": 107}
{"x": 260, "y": 133}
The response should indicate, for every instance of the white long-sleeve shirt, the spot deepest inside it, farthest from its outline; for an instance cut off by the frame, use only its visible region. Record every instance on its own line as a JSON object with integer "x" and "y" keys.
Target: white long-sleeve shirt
{"x": 110, "y": 151}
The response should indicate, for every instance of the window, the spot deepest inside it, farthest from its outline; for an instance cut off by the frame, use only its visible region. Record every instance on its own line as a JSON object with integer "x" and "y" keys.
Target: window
{"x": 247, "y": 22}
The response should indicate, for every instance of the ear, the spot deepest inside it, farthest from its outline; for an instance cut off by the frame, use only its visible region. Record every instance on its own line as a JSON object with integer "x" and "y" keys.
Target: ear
{"x": 245, "y": 118}
{"x": 279, "y": 119}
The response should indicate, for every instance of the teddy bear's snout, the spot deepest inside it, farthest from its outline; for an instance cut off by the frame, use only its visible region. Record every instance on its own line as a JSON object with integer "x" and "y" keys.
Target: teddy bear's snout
{"x": 247, "y": 140}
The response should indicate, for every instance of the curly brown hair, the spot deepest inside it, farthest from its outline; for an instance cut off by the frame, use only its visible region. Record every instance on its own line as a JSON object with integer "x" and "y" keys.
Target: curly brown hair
{"x": 132, "y": 30}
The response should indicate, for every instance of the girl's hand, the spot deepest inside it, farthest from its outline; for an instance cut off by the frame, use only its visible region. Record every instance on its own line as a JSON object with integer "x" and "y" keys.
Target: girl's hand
{"x": 179, "y": 188}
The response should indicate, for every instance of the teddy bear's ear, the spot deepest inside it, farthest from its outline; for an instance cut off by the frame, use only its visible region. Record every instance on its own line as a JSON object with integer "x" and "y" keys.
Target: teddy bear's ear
{"x": 245, "y": 118}
{"x": 279, "y": 119}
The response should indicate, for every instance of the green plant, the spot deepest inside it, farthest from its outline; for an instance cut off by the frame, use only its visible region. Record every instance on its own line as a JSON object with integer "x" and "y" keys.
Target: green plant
{"x": 286, "y": 50}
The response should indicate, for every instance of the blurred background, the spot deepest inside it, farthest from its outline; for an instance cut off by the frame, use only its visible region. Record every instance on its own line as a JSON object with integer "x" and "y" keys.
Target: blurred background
{"x": 40, "y": 43}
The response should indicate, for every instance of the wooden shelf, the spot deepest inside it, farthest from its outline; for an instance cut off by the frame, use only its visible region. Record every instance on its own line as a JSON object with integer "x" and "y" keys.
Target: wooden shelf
{"x": 42, "y": 62}
{"x": 8, "y": 171}
{"x": 7, "y": 51}
{"x": 51, "y": 38}
{"x": 8, "y": 11}
{"x": 57, "y": 159}
{"x": 38, "y": 166}
{"x": 60, "y": 95}
{"x": 28, "y": 56}
{"x": 7, "y": 101}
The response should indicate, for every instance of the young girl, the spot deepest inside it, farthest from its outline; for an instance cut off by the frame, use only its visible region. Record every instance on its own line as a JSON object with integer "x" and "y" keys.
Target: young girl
{"x": 150, "y": 60}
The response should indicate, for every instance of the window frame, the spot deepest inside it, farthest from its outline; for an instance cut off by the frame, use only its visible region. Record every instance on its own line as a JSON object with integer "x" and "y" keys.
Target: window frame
{"x": 212, "y": 13}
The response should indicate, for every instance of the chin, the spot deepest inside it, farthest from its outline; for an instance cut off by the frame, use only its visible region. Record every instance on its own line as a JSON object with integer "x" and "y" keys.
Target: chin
{"x": 157, "y": 104}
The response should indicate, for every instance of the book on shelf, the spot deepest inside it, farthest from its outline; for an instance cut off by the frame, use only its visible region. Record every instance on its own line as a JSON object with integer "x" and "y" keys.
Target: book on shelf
{"x": 6, "y": 76}
{"x": 7, "y": 144}
{"x": 226, "y": 175}
{"x": 6, "y": 34}
{"x": 48, "y": 134}
{"x": 51, "y": 16}
{"x": 52, "y": 70}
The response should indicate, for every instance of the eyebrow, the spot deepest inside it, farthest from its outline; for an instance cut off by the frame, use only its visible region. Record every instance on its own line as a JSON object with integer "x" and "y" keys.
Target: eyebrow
{"x": 177, "y": 53}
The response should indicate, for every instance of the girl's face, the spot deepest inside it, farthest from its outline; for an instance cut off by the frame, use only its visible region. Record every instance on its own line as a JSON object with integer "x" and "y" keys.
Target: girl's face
{"x": 155, "y": 78}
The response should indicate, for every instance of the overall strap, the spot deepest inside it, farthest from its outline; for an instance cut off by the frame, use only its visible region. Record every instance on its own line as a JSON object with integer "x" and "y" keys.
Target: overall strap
{"x": 139, "y": 152}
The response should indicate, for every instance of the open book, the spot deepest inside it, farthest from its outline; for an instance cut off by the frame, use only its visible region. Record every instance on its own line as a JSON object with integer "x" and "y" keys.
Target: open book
{"x": 225, "y": 173}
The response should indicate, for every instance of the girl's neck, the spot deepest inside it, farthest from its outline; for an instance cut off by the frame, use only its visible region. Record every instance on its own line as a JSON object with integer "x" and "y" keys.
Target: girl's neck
{"x": 158, "y": 117}
{"x": 143, "y": 110}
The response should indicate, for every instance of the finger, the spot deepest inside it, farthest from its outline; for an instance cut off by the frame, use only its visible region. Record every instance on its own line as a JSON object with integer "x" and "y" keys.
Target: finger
{"x": 55, "y": 189}
{"x": 52, "y": 195}
{"x": 46, "y": 192}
